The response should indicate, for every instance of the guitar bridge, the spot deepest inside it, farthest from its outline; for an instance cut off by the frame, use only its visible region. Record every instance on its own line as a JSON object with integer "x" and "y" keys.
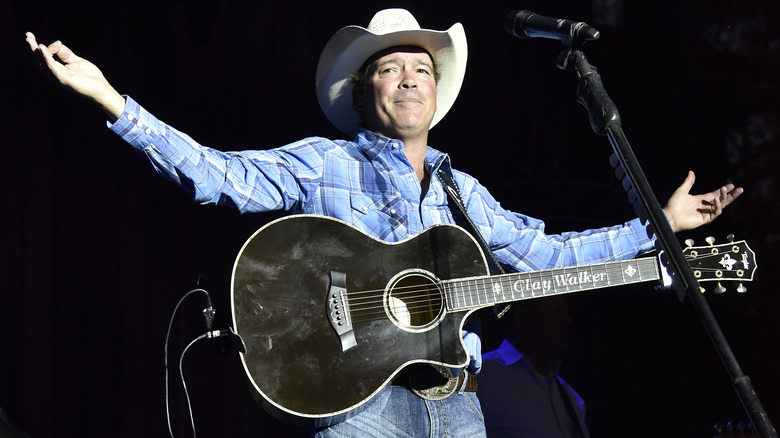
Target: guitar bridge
{"x": 337, "y": 309}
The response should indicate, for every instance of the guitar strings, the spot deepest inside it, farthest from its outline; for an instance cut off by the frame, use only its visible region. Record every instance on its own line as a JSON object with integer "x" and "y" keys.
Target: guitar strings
{"x": 418, "y": 299}
{"x": 373, "y": 305}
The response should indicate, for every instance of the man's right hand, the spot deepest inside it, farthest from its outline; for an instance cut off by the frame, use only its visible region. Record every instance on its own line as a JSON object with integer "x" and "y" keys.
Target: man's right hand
{"x": 78, "y": 74}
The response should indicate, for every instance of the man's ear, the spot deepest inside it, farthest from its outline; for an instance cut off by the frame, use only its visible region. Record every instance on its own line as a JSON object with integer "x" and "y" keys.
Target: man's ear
{"x": 357, "y": 98}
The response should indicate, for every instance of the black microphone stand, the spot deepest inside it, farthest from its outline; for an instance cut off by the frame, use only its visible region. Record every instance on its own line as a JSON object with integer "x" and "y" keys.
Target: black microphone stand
{"x": 605, "y": 120}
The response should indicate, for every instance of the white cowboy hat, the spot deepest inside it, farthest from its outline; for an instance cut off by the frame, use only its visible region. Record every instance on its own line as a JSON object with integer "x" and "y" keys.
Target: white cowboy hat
{"x": 351, "y": 46}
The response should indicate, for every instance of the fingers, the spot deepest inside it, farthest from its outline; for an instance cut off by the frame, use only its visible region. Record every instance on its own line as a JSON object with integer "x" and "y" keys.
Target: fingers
{"x": 63, "y": 52}
{"x": 35, "y": 46}
{"x": 30, "y": 38}
{"x": 734, "y": 193}
{"x": 44, "y": 52}
{"x": 48, "y": 58}
{"x": 714, "y": 202}
{"x": 688, "y": 182}
{"x": 727, "y": 194}
{"x": 41, "y": 52}
{"x": 717, "y": 204}
{"x": 685, "y": 187}
{"x": 56, "y": 48}
{"x": 723, "y": 197}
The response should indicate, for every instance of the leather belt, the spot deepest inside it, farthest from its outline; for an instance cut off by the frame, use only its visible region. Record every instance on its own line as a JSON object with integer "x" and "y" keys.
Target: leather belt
{"x": 471, "y": 381}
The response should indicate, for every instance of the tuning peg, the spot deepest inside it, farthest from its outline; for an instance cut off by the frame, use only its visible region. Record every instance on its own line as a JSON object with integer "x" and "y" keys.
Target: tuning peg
{"x": 689, "y": 243}
{"x": 741, "y": 289}
{"x": 719, "y": 289}
{"x": 702, "y": 290}
{"x": 710, "y": 240}
{"x": 730, "y": 237}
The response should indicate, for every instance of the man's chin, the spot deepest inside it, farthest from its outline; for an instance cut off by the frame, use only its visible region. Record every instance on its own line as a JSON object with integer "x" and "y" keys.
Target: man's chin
{"x": 413, "y": 124}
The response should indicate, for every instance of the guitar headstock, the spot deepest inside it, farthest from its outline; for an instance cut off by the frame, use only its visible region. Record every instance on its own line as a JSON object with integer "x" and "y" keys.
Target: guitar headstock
{"x": 733, "y": 261}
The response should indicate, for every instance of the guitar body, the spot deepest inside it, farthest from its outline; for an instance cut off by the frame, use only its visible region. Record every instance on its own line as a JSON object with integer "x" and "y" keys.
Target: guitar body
{"x": 284, "y": 281}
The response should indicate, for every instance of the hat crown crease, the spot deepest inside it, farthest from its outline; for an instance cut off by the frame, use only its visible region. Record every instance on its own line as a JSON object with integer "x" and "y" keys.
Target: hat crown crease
{"x": 392, "y": 20}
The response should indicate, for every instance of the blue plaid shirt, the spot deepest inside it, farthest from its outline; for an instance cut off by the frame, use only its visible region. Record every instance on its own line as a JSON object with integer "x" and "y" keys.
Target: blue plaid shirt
{"x": 369, "y": 183}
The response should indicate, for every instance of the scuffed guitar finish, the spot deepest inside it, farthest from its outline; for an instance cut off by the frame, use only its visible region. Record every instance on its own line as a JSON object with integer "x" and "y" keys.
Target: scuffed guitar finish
{"x": 294, "y": 358}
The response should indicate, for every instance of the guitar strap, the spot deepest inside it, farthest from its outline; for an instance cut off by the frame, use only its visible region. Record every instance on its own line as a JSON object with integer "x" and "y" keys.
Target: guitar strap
{"x": 462, "y": 219}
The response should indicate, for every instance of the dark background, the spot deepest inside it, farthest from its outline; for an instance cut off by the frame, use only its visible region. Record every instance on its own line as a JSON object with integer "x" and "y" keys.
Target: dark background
{"x": 98, "y": 250}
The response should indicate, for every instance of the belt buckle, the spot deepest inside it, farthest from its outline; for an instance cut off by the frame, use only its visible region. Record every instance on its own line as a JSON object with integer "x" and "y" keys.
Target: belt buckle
{"x": 442, "y": 391}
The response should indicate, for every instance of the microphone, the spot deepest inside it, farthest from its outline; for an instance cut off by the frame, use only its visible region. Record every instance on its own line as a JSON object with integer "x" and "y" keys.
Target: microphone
{"x": 526, "y": 24}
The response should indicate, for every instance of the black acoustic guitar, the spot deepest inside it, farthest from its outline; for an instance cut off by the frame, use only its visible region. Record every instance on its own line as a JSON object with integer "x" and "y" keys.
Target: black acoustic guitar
{"x": 330, "y": 315}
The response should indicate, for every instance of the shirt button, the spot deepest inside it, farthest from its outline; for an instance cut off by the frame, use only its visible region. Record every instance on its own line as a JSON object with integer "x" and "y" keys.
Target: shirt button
{"x": 365, "y": 208}
{"x": 148, "y": 131}
{"x": 395, "y": 145}
{"x": 138, "y": 124}
{"x": 410, "y": 178}
{"x": 130, "y": 117}
{"x": 392, "y": 211}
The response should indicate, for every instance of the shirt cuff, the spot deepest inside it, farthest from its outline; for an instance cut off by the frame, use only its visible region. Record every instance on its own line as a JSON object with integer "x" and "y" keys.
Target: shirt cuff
{"x": 644, "y": 235}
{"x": 135, "y": 125}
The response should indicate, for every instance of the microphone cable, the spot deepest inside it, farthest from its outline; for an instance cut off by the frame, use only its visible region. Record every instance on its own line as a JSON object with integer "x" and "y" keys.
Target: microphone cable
{"x": 208, "y": 314}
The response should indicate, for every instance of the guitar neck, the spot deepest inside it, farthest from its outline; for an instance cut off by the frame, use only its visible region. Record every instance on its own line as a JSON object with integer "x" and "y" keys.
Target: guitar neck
{"x": 478, "y": 292}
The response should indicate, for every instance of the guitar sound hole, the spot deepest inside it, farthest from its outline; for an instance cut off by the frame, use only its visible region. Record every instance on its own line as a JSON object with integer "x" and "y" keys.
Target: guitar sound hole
{"x": 414, "y": 301}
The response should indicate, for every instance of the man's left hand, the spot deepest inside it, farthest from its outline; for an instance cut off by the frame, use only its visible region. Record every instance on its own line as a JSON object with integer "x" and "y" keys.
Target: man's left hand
{"x": 686, "y": 211}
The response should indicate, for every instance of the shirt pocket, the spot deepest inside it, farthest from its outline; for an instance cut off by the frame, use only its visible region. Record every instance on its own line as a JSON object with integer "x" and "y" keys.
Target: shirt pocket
{"x": 382, "y": 217}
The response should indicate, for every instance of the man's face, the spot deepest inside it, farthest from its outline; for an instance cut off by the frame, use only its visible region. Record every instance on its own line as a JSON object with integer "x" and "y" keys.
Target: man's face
{"x": 399, "y": 99}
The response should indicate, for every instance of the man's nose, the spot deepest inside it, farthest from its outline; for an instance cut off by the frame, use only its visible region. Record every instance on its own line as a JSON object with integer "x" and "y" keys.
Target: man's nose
{"x": 408, "y": 81}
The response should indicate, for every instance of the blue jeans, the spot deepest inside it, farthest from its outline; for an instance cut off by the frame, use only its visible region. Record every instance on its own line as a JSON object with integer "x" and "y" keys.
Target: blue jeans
{"x": 396, "y": 412}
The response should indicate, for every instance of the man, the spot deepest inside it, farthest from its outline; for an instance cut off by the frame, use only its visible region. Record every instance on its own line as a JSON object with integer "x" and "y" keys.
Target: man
{"x": 521, "y": 393}
{"x": 379, "y": 86}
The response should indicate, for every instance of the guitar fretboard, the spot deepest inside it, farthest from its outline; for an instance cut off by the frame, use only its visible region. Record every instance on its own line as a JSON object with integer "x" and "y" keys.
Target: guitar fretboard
{"x": 485, "y": 291}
